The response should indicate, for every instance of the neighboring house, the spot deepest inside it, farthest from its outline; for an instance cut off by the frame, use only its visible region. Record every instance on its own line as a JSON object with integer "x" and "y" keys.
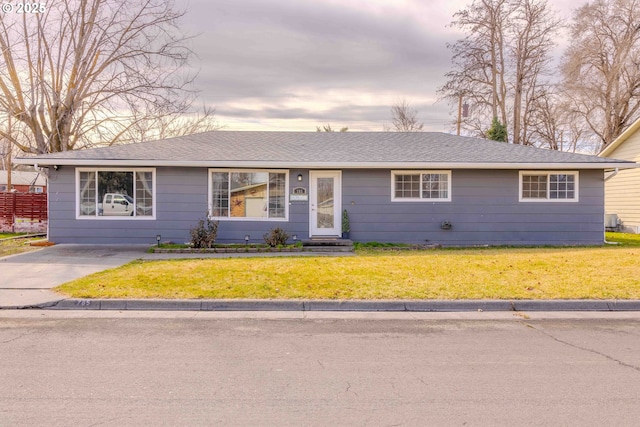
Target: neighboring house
{"x": 622, "y": 196}
{"x": 23, "y": 182}
{"x": 397, "y": 187}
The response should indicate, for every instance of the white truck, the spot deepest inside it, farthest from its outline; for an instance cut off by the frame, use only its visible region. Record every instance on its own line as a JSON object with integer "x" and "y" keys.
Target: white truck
{"x": 114, "y": 204}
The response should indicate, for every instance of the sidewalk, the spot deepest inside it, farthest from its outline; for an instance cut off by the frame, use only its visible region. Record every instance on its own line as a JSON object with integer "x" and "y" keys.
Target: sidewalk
{"x": 27, "y": 280}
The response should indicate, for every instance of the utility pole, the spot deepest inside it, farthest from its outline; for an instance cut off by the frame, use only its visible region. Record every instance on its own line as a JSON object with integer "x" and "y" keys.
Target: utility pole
{"x": 459, "y": 113}
{"x": 10, "y": 148}
{"x": 463, "y": 112}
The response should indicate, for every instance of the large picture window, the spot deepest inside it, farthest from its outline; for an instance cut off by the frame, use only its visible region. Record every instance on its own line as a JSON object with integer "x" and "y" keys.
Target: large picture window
{"x": 548, "y": 186}
{"x": 432, "y": 186}
{"x": 116, "y": 193}
{"x": 248, "y": 194}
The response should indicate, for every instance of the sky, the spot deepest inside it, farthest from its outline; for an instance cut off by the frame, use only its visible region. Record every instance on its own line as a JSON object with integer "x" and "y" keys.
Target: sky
{"x": 292, "y": 65}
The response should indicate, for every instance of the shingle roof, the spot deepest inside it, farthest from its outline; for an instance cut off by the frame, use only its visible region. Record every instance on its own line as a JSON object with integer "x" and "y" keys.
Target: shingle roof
{"x": 324, "y": 149}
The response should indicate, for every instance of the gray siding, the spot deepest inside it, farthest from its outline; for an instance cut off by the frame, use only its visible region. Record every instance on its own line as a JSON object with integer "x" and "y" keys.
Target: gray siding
{"x": 181, "y": 200}
{"x": 484, "y": 211}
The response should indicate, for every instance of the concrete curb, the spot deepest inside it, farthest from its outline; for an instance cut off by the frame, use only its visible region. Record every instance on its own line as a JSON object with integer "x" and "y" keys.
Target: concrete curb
{"x": 44, "y": 305}
{"x": 341, "y": 305}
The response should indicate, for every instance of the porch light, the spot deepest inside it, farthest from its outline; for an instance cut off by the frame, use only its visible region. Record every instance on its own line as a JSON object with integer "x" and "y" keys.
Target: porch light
{"x": 158, "y": 238}
{"x": 295, "y": 238}
{"x": 300, "y": 177}
{"x": 246, "y": 239}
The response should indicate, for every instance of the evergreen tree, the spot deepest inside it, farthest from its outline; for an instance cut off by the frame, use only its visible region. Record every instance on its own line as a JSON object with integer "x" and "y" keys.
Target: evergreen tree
{"x": 497, "y": 132}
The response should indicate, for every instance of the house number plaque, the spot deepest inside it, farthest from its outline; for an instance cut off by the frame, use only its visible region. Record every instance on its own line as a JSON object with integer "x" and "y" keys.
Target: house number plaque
{"x": 299, "y": 194}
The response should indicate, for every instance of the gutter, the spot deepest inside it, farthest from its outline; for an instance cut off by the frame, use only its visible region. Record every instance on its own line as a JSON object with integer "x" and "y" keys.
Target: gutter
{"x": 321, "y": 165}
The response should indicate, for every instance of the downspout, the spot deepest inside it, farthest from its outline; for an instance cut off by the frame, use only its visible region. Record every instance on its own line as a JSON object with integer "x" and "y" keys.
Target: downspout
{"x": 612, "y": 174}
{"x": 607, "y": 178}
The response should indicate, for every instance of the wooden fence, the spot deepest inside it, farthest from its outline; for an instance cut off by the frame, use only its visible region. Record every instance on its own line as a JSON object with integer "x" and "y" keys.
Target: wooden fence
{"x": 23, "y": 212}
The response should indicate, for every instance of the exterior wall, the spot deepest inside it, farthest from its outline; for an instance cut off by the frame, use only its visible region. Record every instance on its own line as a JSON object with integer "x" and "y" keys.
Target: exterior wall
{"x": 484, "y": 210}
{"x": 622, "y": 196}
{"x": 181, "y": 200}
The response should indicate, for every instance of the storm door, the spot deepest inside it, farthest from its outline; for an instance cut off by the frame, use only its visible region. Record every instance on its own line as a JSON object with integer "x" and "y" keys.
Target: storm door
{"x": 325, "y": 203}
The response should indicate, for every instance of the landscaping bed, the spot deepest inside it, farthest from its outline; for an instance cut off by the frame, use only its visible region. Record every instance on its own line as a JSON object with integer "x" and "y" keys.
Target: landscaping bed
{"x": 223, "y": 249}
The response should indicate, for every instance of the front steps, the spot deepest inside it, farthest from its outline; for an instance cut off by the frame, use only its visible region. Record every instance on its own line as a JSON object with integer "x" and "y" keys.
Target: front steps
{"x": 327, "y": 245}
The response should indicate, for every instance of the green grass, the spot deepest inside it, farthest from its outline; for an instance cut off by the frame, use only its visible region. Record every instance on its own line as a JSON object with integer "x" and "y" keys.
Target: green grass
{"x": 483, "y": 273}
{"x": 9, "y": 235}
{"x": 375, "y": 245}
{"x": 625, "y": 239}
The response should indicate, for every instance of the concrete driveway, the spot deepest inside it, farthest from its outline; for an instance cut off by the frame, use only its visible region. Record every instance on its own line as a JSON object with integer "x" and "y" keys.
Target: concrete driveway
{"x": 26, "y": 279}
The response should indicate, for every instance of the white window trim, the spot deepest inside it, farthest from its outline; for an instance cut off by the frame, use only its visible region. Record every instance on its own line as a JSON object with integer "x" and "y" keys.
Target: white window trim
{"x": 419, "y": 172}
{"x": 230, "y": 218}
{"x": 116, "y": 218}
{"x": 548, "y": 199}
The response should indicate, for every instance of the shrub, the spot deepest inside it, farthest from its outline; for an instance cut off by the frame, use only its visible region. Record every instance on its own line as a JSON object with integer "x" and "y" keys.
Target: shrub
{"x": 345, "y": 222}
{"x": 276, "y": 237}
{"x": 204, "y": 234}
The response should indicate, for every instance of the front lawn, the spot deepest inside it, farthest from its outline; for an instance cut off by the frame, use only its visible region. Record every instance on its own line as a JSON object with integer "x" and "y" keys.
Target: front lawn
{"x": 492, "y": 273}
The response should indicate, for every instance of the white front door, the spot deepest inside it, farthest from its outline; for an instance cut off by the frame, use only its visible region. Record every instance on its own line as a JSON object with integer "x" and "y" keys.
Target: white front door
{"x": 325, "y": 203}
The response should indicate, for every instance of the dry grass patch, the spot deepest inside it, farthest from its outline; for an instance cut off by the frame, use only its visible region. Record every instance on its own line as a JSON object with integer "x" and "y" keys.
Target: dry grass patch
{"x": 535, "y": 273}
{"x": 17, "y": 246}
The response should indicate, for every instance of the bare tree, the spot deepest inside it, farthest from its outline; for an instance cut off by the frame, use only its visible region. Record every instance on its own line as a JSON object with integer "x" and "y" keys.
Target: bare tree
{"x": 532, "y": 30}
{"x": 328, "y": 128}
{"x": 404, "y": 118}
{"x": 479, "y": 62}
{"x": 82, "y": 72}
{"x": 551, "y": 123}
{"x": 601, "y": 66}
{"x": 168, "y": 125}
{"x": 498, "y": 66}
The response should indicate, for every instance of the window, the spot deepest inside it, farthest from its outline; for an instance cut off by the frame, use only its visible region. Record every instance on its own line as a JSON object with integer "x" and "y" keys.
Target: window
{"x": 548, "y": 186}
{"x": 434, "y": 186}
{"x": 245, "y": 194}
{"x": 110, "y": 193}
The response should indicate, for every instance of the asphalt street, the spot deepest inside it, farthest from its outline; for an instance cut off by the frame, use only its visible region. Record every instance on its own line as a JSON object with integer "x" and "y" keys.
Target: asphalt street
{"x": 61, "y": 368}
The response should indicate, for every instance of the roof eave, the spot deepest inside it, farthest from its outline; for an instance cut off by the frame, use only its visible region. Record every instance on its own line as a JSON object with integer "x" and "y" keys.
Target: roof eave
{"x": 44, "y": 162}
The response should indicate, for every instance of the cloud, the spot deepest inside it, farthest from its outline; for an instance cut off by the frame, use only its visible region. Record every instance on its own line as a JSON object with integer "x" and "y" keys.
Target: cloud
{"x": 290, "y": 64}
